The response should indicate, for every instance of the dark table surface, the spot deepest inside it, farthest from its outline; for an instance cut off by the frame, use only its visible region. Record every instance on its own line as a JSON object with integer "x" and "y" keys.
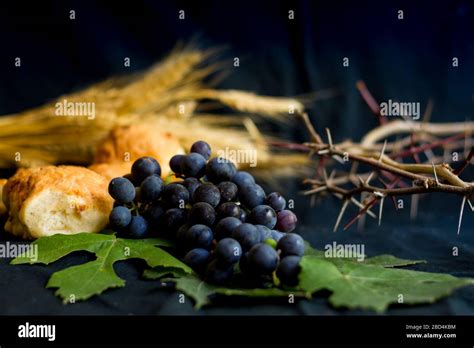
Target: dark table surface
{"x": 431, "y": 237}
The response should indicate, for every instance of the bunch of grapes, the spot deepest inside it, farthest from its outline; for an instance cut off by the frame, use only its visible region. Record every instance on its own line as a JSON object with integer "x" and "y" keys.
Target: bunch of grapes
{"x": 218, "y": 216}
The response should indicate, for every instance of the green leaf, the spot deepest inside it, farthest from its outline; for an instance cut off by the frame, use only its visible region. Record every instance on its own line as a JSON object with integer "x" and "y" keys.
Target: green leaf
{"x": 374, "y": 286}
{"x": 201, "y": 291}
{"x": 83, "y": 281}
{"x": 390, "y": 261}
{"x": 161, "y": 272}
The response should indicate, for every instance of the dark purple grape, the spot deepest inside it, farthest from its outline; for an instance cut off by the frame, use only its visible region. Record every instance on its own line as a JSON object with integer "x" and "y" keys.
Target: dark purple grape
{"x": 228, "y": 191}
{"x": 228, "y": 251}
{"x": 122, "y": 190}
{"x": 251, "y": 195}
{"x": 202, "y": 148}
{"x": 262, "y": 259}
{"x": 228, "y": 209}
{"x": 263, "y": 215}
{"x": 129, "y": 177}
{"x": 247, "y": 235}
{"x": 291, "y": 244}
{"x": 143, "y": 167}
{"x": 191, "y": 184}
{"x": 175, "y": 164}
{"x": 120, "y": 217}
{"x": 174, "y": 218}
{"x": 199, "y": 236}
{"x": 175, "y": 195}
{"x": 138, "y": 227}
{"x": 217, "y": 274}
{"x": 286, "y": 221}
{"x": 219, "y": 169}
{"x": 197, "y": 259}
{"x": 181, "y": 235}
{"x": 288, "y": 270}
{"x": 154, "y": 214}
{"x": 225, "y": 227}
{"x": 150, "y": 189}
{"x": 193, "y": 165}
{"x": 207, "y": 193}
{"x": 265, "y": 232}
{"x": 276, "y": 201}
{"x": 242, "y": 178}
{"x": 202, "y": 213}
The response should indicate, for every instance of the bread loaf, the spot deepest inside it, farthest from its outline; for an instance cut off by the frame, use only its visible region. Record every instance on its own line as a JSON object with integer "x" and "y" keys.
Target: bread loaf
{"x": 47, "y": 200}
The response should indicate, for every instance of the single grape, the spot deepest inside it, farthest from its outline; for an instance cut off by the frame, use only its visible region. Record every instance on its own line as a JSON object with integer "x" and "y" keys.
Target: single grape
{"x": 286, "y": 221}
{"x": 276, "y": 201}
{"x": 143, "y": 167}
{"x": 277, "y": 235}
{"x": 218, "y": 274}
{"x": 191, "y": 184}
{"x": 193, "y": 165}
{"x": 138, "y": 227}
{"x": 228, "y": 191}
{"x": 263, "y": 215}
{"x": 181, "y": 237}
{"x": 122, "y": 190}
{"x": 262, "y": 259}
{"x": 225, "y": 227}
{"x": 228, "y": 251}
{"x": 288, "y": 270}
{"x": 120, "y": 217}
{"x": 174, "y": 218}
{"x": 150, "y": 189}
{"x": 265, "y": 232}
{"x": 228, "y": 209}
{"x": 154, "y": 214}
{"x": 175, "y": 164}
{"x": 291, "y": 244}
{"x": 247, "y": 235}
{"x": 197, "y": 259}
{"x": 207, "y": 193}
{"x": 175, "y": 195}
{"x": 199, "y": 236}
{"x": 242, "y": 178}
{"x": 202, "y": 213}
{"x": 251, "y": 195}
{"x": 129, "y": 177}
{"x": 219, "y": 169}
{"x": 202, "y": 148}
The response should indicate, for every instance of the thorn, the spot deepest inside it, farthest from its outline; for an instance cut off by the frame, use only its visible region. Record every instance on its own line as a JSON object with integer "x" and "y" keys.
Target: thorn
{"x": 316, "y": 190}
{"x": 380, "y": 210}
{"x": 470, "y": 204}
{"x": 361, "y": 206}
{"x": 369, "y": 178}
{"x": 339, "y": 159}
{"x": 361, "y": 181}
{"x": 383, "y": 150}
{"x": 323, "y": 152}
{"x": 325, "y": 175}
{"x": 341, "y": 213}
{"x": 328, "y": 132}
{"x": 331, "y": 176}
{"x": 435, "y": 175}
{"x": 461, "y": 213}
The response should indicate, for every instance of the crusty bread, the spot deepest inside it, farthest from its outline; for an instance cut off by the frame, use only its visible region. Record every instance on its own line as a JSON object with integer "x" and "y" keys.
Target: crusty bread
{"x": 128, "y": 143}
{"x": 111, "y": 170}
{"x": 44, "y": 201}
{"x": 3, "y": 209}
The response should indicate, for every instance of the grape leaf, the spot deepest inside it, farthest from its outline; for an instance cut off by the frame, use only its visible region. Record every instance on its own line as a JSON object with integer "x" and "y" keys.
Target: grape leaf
{"x": 374, "y": 286}
{"x": 201, "y": 291}
{"x": 83, "y": 281}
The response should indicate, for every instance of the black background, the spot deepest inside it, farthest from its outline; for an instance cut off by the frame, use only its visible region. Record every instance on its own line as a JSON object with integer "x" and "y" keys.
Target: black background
{"x": 407, "y": 59}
